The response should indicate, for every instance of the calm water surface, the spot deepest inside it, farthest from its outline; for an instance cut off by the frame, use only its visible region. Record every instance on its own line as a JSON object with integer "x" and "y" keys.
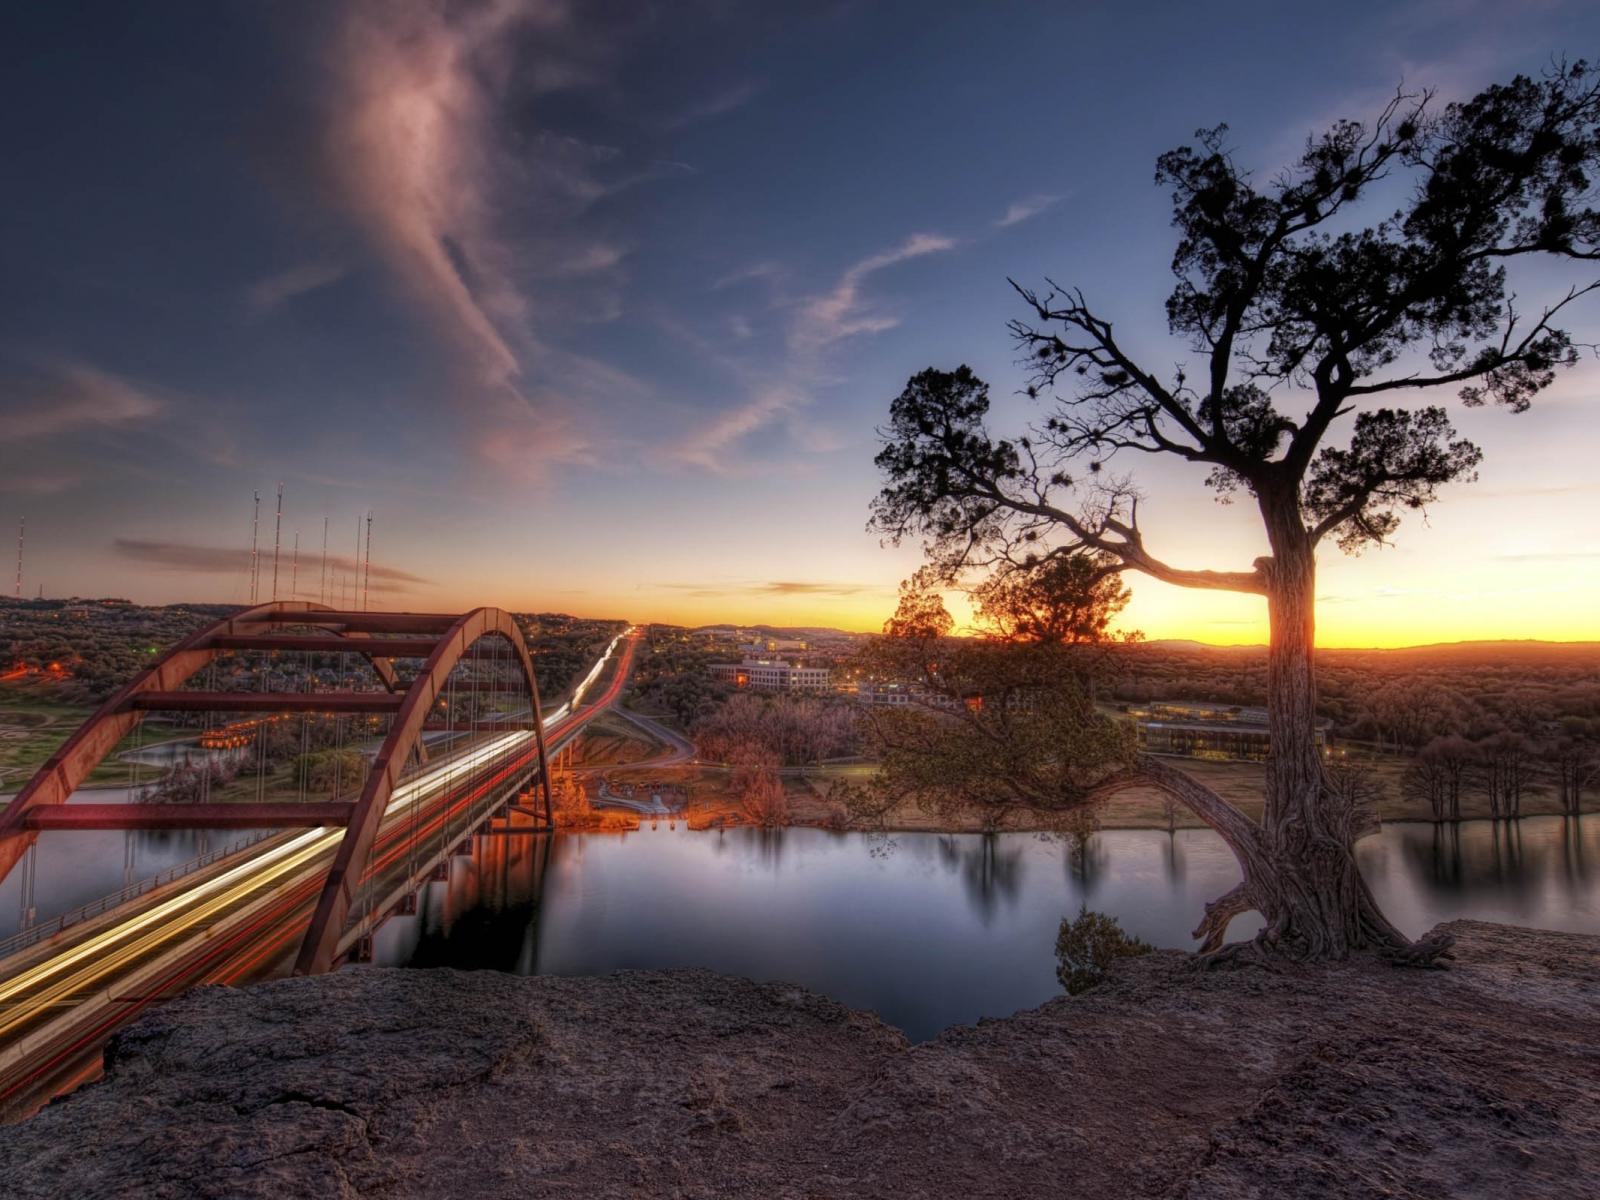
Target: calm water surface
{"x": 929, "y": 930}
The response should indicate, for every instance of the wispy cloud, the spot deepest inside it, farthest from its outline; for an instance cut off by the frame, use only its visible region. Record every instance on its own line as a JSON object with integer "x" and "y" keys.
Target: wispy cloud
{"x": 765, "y": 271}
{"x": 1025, "y": 209}
{"x": 413, "y": 156}
{"x": 275, "y": 290}
{"x": 429, "y": 148}
{"x": 38, "y": 483}
{"x": 712, "y": 445}
{"x": 716, "y": 104}
{"x": 73, "y": 396}
{"x": 842, "y": 312}
{"x": 779, "y": 397}
{"x": 1549, "y": 556}
{"x": 219, "y": 560}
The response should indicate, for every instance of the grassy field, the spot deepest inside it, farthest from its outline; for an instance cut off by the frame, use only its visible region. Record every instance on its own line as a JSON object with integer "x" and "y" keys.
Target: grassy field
{"x": 33, "y": 723}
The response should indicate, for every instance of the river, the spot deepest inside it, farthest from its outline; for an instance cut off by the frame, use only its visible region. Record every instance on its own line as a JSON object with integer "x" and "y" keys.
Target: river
{"x": 927, "y": 929}
{"x": 930, "y": 930}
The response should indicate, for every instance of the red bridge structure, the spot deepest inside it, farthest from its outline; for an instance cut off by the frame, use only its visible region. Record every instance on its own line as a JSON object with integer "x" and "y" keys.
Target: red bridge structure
{"x": 424, "y": 671}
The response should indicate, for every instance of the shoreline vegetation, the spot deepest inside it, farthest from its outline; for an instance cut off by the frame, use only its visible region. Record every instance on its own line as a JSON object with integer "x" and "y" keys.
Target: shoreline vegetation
{"x": 620, "y": 752}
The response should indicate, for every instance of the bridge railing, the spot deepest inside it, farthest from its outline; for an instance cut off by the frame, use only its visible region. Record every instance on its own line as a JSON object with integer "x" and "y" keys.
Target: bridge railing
{"x": 46, "y": 930}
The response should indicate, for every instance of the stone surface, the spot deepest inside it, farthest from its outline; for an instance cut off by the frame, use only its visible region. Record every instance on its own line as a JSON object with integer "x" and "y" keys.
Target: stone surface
{"x": 1355, "y": 1080}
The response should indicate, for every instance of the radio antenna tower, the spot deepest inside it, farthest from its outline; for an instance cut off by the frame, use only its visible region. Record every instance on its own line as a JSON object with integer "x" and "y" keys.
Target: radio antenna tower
{"x": 277, "y": 536}
{"x": 255, "y": 529}
{"x": 355, "y": 569}
{"x": 366, "y": 569}
{"x": 322, "y": 583}
{"x": 22, "y": 528}
{"x": 294, "y": 568}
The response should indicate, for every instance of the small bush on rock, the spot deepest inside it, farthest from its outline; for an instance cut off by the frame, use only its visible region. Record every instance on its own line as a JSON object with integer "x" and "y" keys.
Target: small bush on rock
{"x": 1086, "y": 948}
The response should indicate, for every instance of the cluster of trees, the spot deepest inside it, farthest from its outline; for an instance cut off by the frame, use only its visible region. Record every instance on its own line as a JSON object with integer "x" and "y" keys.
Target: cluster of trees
{"x": 1499, "y": 720}
{"x": 570, "y": 800}
{"x": 564, "y": 647}
{"x": 1006, "y": 722}
{"x": 192, "y": 780}
{"x": 787, "y": 731}
{"x": 315, "y": 752}
{"x": 673, "y": 676}
{"x": 332, "y": 771}
{"x": 100, "y": 650}
{"x": 757, "y": 735}
{"x": 1505, "y": 767}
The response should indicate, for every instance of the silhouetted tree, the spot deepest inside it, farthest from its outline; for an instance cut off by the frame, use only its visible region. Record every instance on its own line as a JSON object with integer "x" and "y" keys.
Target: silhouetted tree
{"x": 1437, "y": 774}
{"x": 1282, "y": 297}
{"x": 1505, "y": 764}
{"x": 1575, "y": 762}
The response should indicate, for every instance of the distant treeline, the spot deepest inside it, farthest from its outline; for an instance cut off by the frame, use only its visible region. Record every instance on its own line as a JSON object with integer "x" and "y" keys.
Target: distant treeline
{"x": 1503, "y": 719}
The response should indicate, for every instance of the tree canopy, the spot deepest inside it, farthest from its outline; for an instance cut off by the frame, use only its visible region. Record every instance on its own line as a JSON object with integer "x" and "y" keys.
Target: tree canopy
{"x": 1300, "y": 317}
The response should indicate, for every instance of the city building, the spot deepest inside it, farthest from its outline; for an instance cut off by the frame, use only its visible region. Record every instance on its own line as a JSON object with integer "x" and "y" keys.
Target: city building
{"x": 883, "y": 695}
{"x": 1209, "y": 731}
{"x": 772, "y": 675}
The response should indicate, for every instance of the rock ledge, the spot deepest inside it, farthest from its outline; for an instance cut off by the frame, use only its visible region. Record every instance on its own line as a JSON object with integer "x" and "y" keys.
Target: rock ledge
{"x": 1355, "y": 1080}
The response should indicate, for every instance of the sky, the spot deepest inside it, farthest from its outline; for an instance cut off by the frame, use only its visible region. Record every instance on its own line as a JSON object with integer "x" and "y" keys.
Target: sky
{"x": 596, "y": 306}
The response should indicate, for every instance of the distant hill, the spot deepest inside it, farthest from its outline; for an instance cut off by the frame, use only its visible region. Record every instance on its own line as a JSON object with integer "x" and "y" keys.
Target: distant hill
{"x": 785, "y": 631}
{"x": 1507, "y": 648}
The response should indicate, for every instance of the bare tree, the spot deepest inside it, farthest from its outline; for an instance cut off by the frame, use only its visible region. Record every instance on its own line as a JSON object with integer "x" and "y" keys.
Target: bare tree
{"x": 1304, "y": 324}
{"x": 1575, "y": 759}
{"x": 1505, "y": 772}
{"x": 1437, "y": 774}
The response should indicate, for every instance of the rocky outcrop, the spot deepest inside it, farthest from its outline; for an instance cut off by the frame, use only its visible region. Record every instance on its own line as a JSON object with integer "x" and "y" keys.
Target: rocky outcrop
{"x": 1351, "y": 1080}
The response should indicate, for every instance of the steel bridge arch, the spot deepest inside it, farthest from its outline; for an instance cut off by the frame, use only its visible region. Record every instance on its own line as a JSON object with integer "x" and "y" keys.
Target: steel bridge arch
{"x": 38, "y": 805}
{"x": 319, "y": 950}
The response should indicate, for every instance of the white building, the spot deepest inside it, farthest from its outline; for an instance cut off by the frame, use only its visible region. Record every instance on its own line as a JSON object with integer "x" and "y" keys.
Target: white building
{"x": 772, "y": 675}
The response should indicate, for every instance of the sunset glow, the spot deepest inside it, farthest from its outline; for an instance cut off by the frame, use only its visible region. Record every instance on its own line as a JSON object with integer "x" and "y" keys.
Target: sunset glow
{"x": 585, "y": 334}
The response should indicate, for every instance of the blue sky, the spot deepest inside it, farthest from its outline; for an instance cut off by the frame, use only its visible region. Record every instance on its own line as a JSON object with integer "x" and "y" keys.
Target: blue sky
{"x": 596, "y": 306}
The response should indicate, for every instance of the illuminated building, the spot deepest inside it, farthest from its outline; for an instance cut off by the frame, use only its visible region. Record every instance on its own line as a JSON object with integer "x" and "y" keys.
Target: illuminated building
{"x": 772, "y": 675}
{"x": 1208, "y": 731}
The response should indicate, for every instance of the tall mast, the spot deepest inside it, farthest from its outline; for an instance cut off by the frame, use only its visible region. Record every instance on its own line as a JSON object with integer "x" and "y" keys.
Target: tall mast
{"x": 255, "y": 529}
{"x": 366, "y": 569}
{"x": 22, "y": 528}
{"x": 277, "y": 537}
{"x": 322, "y": 583}
{"x": 294, "y": 568}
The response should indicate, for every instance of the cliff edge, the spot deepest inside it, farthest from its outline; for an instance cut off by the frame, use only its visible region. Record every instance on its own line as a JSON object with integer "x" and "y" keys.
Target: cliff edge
{"x": 1355, "y": 1080}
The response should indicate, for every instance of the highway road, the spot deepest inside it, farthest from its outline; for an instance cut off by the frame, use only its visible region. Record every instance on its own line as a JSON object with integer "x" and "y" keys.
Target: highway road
{"x": 680, "y": 751}
{"x": 242, "y": 918}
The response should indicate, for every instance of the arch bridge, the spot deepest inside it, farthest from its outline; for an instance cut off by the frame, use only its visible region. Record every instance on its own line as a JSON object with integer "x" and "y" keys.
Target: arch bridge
{"x": 459, "y": 689}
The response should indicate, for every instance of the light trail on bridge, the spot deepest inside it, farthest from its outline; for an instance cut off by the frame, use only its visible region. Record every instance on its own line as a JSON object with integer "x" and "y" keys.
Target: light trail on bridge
{"x": 241, "y": 922}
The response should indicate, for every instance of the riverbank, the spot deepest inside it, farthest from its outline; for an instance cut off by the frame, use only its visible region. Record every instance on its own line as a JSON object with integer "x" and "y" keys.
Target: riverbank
{"x": 713, "y": 801}
{"x": 1354, "y": 1079}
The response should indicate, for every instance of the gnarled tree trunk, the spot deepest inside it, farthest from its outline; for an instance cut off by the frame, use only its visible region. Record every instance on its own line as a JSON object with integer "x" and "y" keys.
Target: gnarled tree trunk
{"x": 1299, "y": 868}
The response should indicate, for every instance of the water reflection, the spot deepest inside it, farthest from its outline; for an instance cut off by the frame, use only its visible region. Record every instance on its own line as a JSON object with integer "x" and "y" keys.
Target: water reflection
{"x": 927, "y": 929}
{"x": 78, "y": 868}
{"x": 1529, "y": 872}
